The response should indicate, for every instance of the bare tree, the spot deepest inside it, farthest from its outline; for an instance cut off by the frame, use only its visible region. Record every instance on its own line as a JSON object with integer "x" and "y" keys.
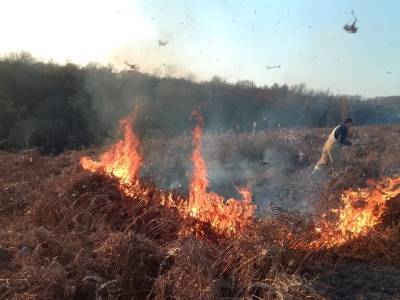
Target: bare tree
{"x": 157, "y": 72}
{"x": 190, "y": 76}
{"x": 110, "y": 67}
{"x": 345, "y": 107}
{"x": 169, "y": 70}
{"x": 22, "y": 56}
{"x": 93, "y": 65}
{"x": 21, "y": 135}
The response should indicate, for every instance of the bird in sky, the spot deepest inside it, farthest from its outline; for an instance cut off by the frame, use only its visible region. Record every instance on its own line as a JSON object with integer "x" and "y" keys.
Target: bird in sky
{"x": 134, "y": 68}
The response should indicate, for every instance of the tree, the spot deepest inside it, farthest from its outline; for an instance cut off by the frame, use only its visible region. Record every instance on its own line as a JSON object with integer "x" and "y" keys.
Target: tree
{"x": 23, "y": 57}
{"x": 190, "y": 76}
{"x": 20, "y": 137}
{"x": 169, "y": 70}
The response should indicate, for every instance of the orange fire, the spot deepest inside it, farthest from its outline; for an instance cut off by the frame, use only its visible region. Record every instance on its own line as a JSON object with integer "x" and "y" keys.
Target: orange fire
{"x": 210, "y": 207}
{"x": 362, "y": 210}
{"x": 123, "y": 159}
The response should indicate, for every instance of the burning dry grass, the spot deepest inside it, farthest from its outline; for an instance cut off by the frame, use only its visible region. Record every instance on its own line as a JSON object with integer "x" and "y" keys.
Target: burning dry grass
{"x": 86, "y": 239}
{"x": 68, "y": 233}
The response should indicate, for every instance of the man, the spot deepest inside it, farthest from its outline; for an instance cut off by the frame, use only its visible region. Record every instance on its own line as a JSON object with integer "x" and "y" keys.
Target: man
{"x": 331, "y": 151}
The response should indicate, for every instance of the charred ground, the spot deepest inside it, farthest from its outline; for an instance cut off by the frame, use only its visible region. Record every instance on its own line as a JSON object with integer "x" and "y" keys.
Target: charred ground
{"x": 72, "y": 234}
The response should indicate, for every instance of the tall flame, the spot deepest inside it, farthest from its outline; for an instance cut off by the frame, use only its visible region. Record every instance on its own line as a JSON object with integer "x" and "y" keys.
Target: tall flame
{"x": 210, "y": 207}
{"x": 123, "y": 159}
{"x": 362, "y": 210}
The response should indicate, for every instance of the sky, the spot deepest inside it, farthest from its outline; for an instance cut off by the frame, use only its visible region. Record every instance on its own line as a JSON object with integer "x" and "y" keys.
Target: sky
{"x": 235, "y": 40}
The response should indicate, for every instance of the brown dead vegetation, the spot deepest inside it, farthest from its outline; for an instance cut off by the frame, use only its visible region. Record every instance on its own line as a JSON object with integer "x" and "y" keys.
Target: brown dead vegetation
{"x": 70, "y": 234}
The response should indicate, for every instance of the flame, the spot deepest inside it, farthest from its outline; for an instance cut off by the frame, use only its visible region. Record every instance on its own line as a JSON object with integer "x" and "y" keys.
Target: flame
{"x": 210, "y": 207}
{"x": 123, "y": 159}
{"x": 362, "y": 210}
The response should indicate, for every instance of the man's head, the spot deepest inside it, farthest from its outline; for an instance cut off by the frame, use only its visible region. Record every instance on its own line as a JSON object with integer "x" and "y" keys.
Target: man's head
{"x": 348, "y": 122}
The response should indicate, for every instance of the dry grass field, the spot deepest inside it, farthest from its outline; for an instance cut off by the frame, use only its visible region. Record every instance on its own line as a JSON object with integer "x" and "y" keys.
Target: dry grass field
{"x": 69, "y": 233}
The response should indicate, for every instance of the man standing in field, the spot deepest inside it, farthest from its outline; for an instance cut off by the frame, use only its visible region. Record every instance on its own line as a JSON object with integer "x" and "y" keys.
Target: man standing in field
{"x": 331, "y": 151}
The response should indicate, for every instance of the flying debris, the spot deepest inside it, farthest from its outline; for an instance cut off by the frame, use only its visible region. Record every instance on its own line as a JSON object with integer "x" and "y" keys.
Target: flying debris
{"x": 351, "y": 28}
{"x": 134, "y": 68}
{"x": 274, "y": 67}
{"x": 162, "y": 43}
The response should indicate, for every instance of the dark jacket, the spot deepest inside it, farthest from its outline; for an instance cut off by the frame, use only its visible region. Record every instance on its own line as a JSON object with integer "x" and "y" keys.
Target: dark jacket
{"x": 341, "y": 135}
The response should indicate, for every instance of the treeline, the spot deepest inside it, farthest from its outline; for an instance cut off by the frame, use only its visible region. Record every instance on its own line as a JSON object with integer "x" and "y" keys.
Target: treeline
{"x": 60, "y": 107}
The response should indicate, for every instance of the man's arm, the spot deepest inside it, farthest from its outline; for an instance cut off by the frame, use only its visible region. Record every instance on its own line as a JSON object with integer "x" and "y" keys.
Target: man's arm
{"x": 343, "y": 135}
